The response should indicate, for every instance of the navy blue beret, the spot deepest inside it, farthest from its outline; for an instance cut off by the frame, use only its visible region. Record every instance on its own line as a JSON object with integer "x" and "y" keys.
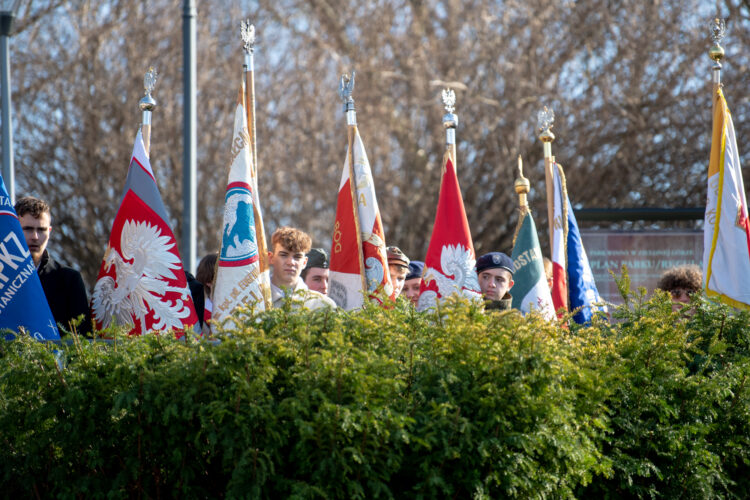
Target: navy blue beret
{"x": 494, "y": 260}
{"x": 415, "y": 269}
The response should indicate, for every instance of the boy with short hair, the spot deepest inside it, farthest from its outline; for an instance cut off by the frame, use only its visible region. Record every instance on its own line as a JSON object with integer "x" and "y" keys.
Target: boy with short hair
{"x": 288, "y": 258}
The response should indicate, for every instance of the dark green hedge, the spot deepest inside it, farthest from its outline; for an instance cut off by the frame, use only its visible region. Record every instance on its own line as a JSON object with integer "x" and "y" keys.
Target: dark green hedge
{"x": 389, "y": 403}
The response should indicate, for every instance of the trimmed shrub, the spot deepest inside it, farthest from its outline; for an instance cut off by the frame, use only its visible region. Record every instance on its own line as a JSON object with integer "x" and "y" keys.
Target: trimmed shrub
{"x": 389, "y": 403}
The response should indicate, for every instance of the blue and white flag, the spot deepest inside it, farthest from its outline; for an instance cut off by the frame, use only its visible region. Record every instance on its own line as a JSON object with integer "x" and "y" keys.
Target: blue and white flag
{"x": 22, "y": 300}
{"x": 240, "y": 277}
{"x": 581, "y": 285}
{"x": 572, "y": 276}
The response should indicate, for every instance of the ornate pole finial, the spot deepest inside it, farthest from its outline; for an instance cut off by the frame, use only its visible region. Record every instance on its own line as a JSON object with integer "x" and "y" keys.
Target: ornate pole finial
{"x": 346, "y": 88}
{"x": 449, "y": 100}
{"x": 545, "y": 121}
{"x": 718, "y": 30}
{"x": 148, "y": 103}
{"x": 522, "y": 184}
{"x": 247, "y": 32}
{"x": 450, "y": 120}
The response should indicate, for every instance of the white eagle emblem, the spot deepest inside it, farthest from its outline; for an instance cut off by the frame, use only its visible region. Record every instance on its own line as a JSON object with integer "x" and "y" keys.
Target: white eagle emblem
{"x": 141, "y": 275}
{"x": 456, "y": 261}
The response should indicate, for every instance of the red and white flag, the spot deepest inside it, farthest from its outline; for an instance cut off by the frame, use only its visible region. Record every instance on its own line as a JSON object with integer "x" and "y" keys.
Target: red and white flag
{"x": 359, "y": 262}
{"x": 726, "y": 231}
{"x": 141, "y": 280}
{"x": 240, "y": 280}
{"x": 560, "y": 235}
{"x": 449, "y": 265}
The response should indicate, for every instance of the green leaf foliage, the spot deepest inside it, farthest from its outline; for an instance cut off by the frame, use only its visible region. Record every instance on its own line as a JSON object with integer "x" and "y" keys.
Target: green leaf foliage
{"x": 389, "y": 403}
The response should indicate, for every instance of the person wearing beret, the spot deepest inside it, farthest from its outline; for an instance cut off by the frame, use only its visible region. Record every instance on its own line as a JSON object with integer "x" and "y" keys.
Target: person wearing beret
{"x": 398, "y": 266}
{"x": 495, "y": 273}
{"x": 315, "y": 273}
{"x": 412, "y": 281}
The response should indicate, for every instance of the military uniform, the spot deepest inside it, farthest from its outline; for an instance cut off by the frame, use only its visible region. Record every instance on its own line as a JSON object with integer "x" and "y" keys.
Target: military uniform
{"x": 503, "y": 304}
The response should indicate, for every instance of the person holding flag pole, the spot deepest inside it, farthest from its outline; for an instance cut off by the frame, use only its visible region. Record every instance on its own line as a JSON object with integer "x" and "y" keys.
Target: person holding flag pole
{"x": 449, "y": 264}
{"x": 530, "y": 289}
{"x": 726, "y": 229}
{"x": 141, "y": 280}
{"x": 573, "y": 285}
{"x": 359, "y": 262}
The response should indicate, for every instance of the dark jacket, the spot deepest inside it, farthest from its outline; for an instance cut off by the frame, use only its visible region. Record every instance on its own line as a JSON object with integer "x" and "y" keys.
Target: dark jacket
{"x": 199, "y": 299}
{"x": 66, "y": 294}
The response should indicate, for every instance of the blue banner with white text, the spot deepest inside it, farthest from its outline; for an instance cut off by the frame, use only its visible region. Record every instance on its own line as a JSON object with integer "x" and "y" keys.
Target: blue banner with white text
{"x": 22, "y": 300}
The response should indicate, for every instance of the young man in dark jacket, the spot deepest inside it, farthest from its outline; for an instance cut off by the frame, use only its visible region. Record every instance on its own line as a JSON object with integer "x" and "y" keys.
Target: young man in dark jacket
{"x": 63, "y": 286}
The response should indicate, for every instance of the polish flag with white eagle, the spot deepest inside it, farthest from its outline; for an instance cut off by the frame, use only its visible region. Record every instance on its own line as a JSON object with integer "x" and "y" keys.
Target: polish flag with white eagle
{"x": 449, "y": 264}
{"x": 141, "y": 280}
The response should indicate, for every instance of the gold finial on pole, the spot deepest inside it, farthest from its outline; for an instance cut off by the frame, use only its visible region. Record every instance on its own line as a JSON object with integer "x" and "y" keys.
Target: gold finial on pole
{"x": 716, "y": 52}
{"x": 522, "y": 186}
{"x": 718, "y": 30}
{"x": 545, "y": 121}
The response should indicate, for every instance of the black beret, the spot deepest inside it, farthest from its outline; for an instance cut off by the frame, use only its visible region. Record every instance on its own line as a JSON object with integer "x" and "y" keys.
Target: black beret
{"x": 317, "y": 257}
{"x": 415, "y": 269}
{"x": 494, "y": 260}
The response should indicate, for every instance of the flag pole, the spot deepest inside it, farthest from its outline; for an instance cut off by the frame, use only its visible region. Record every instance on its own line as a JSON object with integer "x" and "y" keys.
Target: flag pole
{"x": 346, "y": 87}
{"x": 247, "y": 31}
{"x": 522, "y": 187}
{"x": 147, "y": 105}
{"x": 450, "y": 122}
{"x": 716, "y": 53}
{"x": 545, "y": 119}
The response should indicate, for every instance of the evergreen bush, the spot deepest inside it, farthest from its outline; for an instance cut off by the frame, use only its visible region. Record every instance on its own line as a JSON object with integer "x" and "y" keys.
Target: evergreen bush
{"x": 389, "y": 403}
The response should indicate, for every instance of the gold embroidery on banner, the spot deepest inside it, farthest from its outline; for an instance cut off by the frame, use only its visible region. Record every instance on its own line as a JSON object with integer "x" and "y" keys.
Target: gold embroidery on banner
{"x": 336, "y": 238}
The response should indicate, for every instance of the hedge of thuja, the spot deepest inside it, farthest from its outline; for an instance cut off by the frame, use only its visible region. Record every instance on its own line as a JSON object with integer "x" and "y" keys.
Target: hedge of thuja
{"x": 390, "y": 403}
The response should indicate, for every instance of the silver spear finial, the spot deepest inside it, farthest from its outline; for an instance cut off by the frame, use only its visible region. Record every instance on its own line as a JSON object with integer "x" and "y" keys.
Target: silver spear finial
{"x": 449, "y": 100}
{"x": 346, "y": 87}
{"x": 247, "y": 31}
{"x": 147, "y": 103}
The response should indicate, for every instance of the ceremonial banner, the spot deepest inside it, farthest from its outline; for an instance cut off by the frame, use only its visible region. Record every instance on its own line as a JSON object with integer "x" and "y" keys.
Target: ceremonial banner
{"x": 559, "y": 259}
{"x": 450, "y": 260}
{"x": 239, "y": 277}
{"x": 359, "y": 263}
{"x": 22, "y": 300}
{"x": 726, "y": 236}
{"x": 530, "y": 290}
{"x": 141, "y": 280}
{"x": 572, "y": 276}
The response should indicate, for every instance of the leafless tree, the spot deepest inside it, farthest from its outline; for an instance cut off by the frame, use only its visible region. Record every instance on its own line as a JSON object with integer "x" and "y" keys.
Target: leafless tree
{"x": 629, "y": 82}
